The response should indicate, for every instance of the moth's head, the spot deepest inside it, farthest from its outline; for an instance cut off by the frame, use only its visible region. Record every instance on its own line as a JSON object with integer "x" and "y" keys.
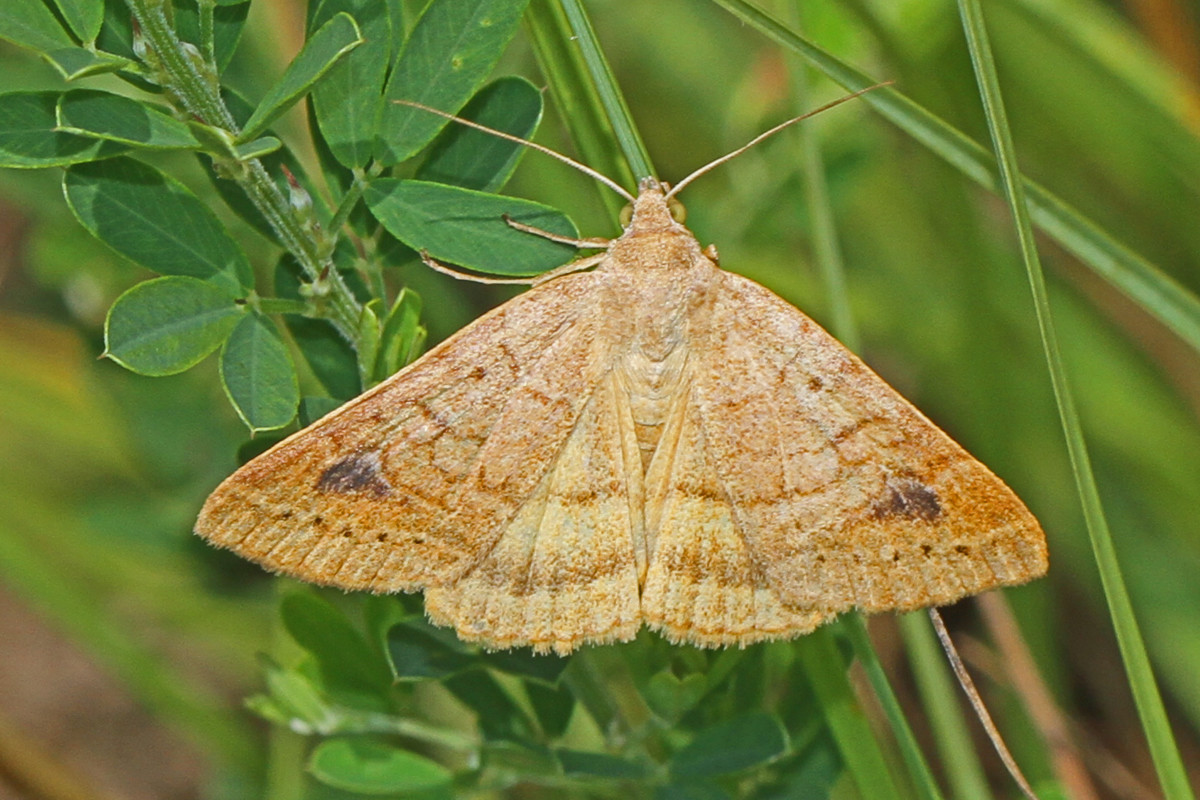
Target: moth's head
{"x": 653, "y": 209}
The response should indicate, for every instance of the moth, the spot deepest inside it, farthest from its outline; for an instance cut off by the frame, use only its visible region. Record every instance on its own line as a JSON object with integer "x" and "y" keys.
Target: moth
{"x": 651, "y": 441}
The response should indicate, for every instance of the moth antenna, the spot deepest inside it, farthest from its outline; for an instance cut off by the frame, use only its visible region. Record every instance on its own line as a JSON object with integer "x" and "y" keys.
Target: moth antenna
{"x": 584, "y": 168}
{"x": 728, "y": 156}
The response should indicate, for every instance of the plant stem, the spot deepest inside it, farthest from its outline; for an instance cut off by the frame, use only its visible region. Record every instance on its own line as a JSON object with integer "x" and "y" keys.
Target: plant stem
{"x": 184, "y": 76}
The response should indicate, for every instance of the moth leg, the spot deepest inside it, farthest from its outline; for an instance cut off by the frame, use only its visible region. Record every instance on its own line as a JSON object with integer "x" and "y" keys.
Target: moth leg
{"x": 534, "y": 280}
{"x": 587, "y": 244}
{"x": 438, "y": 266}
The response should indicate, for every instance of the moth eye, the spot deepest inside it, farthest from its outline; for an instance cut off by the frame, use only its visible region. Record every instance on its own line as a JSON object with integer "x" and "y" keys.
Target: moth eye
{"x": 678, "y": 210}
{"x": 626, "y": 215}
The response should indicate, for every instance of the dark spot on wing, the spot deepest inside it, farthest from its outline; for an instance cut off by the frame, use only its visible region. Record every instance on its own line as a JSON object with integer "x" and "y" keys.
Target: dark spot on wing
{"x": 354, "y": 474}
{"x": 908, "y": 497}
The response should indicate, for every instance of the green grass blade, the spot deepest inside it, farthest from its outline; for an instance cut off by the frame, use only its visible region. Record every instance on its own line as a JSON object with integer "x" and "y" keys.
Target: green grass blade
{"x": 910, "y": 750}
{"x": 577, "y": 98}
{"x": 1160, "y": 295}
{"x": 823, "y": 667}
{"x": 1163, "y": 749}
{"x": 610, "y": 94}
{"x": 939, "y": 698}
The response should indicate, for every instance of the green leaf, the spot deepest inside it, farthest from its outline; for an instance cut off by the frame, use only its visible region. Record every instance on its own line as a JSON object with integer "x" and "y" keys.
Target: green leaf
{"x": 466, "y": 227}
{"x": 313, "y": 408}
{"x": 258, "y": 374}
{"x": 323, "y": 49}
{"x": 578, "y": 763}
{"x": 116, "y": 33}
{"x": 345, "y": 658}
{"x": 544, "y": 668}
{"x": 76, "y": 62}
{"x": 84, "y": 17}
{"x": 122, "y": 119}
{"x": 553, "y": 706}
{"x": 348, "y": 101}
{"x": 29, "y": 23}
{"x": 731, "y": 746}
{"x": 498, "y": 715}
{"x": 670, "y": 696}
{"x": 166, "y": 325}
{"x": 367, "y": 339}
{"x": 332, "y": 359}
{"x": 417, "y": 650}
{"x": 473, "y": 159}
{"x": 402, "y": 335}
{"x": 155, "y": 221}
{"x": 29, "y": 139}
{"x": 450, "y": 52}
{"x": 371, "y": 767}
{"x": 293, "y": 699}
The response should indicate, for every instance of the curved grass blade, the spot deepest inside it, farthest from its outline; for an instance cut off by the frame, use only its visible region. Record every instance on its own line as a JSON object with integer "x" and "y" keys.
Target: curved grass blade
{"x": 1144, "y": 283}
{"x": 1163, "y": 749}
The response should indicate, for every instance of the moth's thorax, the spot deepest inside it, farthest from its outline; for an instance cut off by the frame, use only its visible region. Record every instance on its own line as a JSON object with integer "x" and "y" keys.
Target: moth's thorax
{"x": 665, "y": 285}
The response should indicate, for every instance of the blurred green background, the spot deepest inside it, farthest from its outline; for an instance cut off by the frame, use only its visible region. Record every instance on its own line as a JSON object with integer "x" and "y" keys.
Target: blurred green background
{"x": 114, "y": 618}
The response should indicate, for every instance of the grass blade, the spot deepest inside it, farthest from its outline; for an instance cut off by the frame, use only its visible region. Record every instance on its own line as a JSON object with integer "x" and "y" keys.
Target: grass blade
{"x": 578, "y": 99}
{"x": 610, "y": 94}
{"x": 1143, "y": 282}
{"x": 1153, "y": 715}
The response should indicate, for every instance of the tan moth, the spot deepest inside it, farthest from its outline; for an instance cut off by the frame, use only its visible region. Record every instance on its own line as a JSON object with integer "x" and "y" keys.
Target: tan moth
{"x": 655, "y": 441}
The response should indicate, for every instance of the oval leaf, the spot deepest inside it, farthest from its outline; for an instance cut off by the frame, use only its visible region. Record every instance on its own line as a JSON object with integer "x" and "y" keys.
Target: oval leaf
{"x": 418, "y": 650}
{"x": 155, "y": 221}
{"x": 731, "y": 746}
{"x": 345, "y": 658}
{"x": 28, "y": 135}
{"x": 348, "y": 99}
{"x": 167, "y": 325}
{"x": 83, "y": 16}
{"x": 258, "y": 374}
{"x": 402, "y": 336}
{"x": 105, "y": 115}
{"x": 600, "y": 765}
{"x": 323, "y": 49}
{"x": 450, "y": 52}
{"x": 31, "y": 24}
{"x": 466, "y": 227}
{"x": 371, "y": 767}
{"x": 474, "y": 159}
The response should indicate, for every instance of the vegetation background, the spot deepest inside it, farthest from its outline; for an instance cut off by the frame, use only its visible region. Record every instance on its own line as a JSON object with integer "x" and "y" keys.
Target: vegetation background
{"x": 128, "y": 645}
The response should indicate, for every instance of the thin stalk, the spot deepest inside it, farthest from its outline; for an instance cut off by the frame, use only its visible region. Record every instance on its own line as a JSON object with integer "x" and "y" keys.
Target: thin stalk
{"x": 192, "y": 83}
{"x": 1163, "y": 750}
{"x": 964, "y": 772}
{"x": 823, "y": 665}
{"x": 985, "y": 717}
